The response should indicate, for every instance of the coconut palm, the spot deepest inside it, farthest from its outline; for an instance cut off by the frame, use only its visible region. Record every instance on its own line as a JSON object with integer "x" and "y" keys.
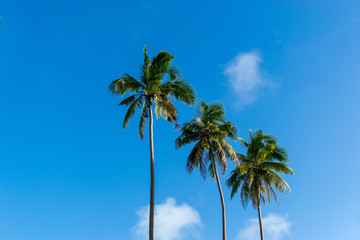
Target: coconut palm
{"x": 256, "y": 174}
{"x": 209, "y": 131}
{"x": 159, "y": 80}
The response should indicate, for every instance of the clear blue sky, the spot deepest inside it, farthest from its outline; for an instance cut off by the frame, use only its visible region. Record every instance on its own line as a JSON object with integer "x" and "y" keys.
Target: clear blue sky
{"x": 68, "y": 171}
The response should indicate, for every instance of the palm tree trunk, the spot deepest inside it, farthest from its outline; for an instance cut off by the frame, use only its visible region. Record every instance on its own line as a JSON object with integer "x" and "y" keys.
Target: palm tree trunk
{"x": 260, "y": 222}
{"x": 222, "y": 202}
{"x": 152, "y": 184}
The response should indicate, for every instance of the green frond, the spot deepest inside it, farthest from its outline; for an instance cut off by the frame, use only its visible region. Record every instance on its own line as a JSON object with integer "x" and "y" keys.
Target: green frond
{"x": 173, "y": 72}
{"x": 142, "y": 122}
{"x": 160, "y": 64}
{"x": 244, "y": 168}
{"x": 277, "y": 167}
{"x": 235, "y": 187}
{"x": 234, "y": 182}
{"x": 165, "y": 108}
{"x": 202, "y": 109}
{"x": 280, "y": 154}
{"x": 162, "y": 58}
{"x": 243, "y": 142}
{"x": 245, "y": 191}
{"x": 145, "y": 73}
{"x": 153, "y": 86}
{"x": 199, "y": 122}
{"x": 210, "y": 159}
{"x": 265, "y": 153}
{"x": 216, "y": 112}
{"x": 267, "y": 191}
{"x": 242, "y": 158}
{"x": 274, "y": 195}
{"x": 268, "y": 138}
{"x": 190, "y": 132}
{"x": 181, "y": 90}
{"x": 186, "y": 138}
{"x": 146, "y": 58}
{"x": 228, "y": 130}
{"x": 127, "y": 101}
{"x": 279, "y": 183}
{"x": 195, "y": 159}
{"x": 124, "y": 84}
{"x": 132, "y": 109}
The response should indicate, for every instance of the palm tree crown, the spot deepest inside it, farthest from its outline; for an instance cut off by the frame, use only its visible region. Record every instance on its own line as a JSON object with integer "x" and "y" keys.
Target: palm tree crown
{"x": 159, "y": 80}
{"x": 256, "y": 175}
{"x": 209, "y": 131}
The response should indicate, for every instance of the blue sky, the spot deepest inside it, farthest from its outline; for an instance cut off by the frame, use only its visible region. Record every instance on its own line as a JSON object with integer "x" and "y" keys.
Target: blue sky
{"x": 68, "y": 171}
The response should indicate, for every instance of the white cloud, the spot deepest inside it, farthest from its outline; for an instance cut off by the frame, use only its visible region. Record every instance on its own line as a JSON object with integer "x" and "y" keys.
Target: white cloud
{"x": 172, "y": 222}
{"x": 245, "y": 77}
{"x": 275, "y": 228}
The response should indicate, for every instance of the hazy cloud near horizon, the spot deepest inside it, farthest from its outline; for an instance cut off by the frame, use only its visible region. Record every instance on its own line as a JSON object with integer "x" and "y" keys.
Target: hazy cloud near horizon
{"x": 172, "y": 222}
{"x": 276, "y": 227}
{"x": 245, "y": 77}
{"x": 180, "y": 222}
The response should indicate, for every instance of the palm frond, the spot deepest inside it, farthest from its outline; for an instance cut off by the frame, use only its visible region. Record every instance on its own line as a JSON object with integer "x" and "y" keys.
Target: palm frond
{"x": 265, "y": 153}
{"x": 195, "y": 159}
{"x": 242, "y": 158}
{"x": 181, "y": 90}
{"x": 277, "y": 167}
{"x": 142, "y": 122}
{"x": 127, "y": 101}
{"x": 235, "y": 180}
{"x": 165, "y": 108}
{"x": 173, "y": 72}
{"x": 132, "y": 109}
{"x": 279, "y": 183}
{"x": 124, "y": 84}
{"x": 210, "y": 159}
{"x": 160, "y": 64}
{"x": 229, "y": 151}
{"x": 228, "y": 129}
{"x": 219, "y": 155}
{"x": 245, "y": 192}
{"x": 216, "y": 112}
{"x": 273, "y": 194}
{"x": 280, "y": 154}
{"x": 244, "y": 142}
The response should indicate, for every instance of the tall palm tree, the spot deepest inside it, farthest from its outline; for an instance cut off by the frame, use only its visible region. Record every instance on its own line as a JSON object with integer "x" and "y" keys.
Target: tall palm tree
{"x": 159, "y": 80}
{"x": 256, "y": 174}
{"x": 209, "y": 131}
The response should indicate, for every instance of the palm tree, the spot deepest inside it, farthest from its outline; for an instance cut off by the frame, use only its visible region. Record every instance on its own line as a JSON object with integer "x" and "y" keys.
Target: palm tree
{"x": 159, "y": 80}
{"x": 209, "y": 131}
{"x": 255, "y": 175}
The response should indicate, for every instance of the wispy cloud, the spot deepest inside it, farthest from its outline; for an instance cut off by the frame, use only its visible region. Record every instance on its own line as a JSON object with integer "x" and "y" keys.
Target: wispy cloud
{"x": 276, "y": 227}
{"x": 173, "y": 222}
{"x": 245, "y": 77}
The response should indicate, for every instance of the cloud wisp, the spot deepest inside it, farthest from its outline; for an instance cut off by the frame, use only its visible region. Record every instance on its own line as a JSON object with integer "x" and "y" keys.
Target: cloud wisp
{"x": 173, "y": 222}
{"x": 276, "y": 227}
{"x": 245, "y": 77}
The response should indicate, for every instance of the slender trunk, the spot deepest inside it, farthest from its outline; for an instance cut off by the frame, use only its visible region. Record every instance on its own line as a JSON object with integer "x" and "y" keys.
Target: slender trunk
{"x": 152, "y": 185}
{"x": 222, "y": 202}
{"x": 260, "y": 222}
